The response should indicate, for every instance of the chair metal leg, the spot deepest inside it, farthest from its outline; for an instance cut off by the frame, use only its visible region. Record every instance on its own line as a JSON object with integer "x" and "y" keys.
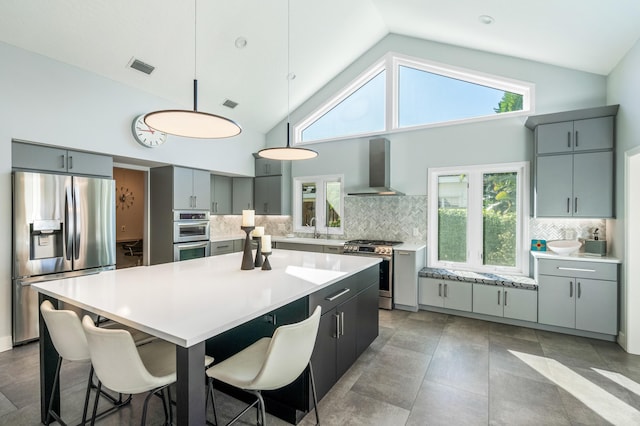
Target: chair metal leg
{"x": 213, "y": 402}
{"x": 95, "y": 403}
{"x": 170, "y": 405}
{"x": 313, "y": 391}
{"x": 261, "y": 407}
{"x": 87, "y": 396}
{"x": 55, "y": 383}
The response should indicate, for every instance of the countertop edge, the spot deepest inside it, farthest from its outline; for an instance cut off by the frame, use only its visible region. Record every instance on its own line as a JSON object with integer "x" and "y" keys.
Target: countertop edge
{"x": 580, "y": 257}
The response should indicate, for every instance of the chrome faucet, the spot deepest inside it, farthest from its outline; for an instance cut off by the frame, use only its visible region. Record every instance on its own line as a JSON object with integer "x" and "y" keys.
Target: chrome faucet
{"x": 313, "y": 222}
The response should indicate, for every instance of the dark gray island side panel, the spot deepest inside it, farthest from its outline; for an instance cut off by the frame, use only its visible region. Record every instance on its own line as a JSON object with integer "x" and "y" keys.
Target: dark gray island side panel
{"x": 349, "y": 324}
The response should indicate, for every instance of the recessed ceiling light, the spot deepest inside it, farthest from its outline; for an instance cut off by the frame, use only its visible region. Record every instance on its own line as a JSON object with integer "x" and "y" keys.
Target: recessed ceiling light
{"x": 486, "y": 19}
{"x": 241, "y": 42}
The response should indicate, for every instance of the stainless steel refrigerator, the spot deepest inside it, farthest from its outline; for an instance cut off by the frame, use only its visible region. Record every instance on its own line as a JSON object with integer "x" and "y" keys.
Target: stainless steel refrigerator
{"x": 63, "y": 226}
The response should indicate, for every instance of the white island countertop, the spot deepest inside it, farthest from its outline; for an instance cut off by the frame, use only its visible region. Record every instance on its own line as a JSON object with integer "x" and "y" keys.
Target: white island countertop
{"x": 188, "y": 302}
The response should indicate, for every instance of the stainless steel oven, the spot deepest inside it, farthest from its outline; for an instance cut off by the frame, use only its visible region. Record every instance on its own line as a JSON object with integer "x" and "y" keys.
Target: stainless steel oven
{"x": 186, "y": 251}
{"x": 383, "y": 250}
{"x": 191, "y": 232}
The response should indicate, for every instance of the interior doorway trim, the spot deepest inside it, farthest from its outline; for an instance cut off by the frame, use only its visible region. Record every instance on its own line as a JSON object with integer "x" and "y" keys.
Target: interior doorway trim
{"x": 630, "y": 277}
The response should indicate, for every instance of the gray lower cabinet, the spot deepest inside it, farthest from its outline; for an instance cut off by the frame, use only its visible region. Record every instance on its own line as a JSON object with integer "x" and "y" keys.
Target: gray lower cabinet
{"x": 241, "y": 194}
{"x": 445, "y": 294}
{"x": 507, "y": 302}
{"x": 580, "y": 295}
{"x": 43, "y": 158}
{"x": 191, "y": 188}
{"x": 316, "y": 248}
{"x": 406, "y": 265}
{"x": 333, "y": 249}
{"x": 225, "y": 247}
{"x": 221, "y": 194}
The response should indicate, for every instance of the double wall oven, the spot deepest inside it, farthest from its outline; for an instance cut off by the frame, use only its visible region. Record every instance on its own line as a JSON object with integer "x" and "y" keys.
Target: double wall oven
{"x": 383, "y": 250}
{"x": 191, "y": 231}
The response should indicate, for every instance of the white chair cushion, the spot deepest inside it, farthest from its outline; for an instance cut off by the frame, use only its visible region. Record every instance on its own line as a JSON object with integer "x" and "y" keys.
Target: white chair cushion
{"x": 241, "y": 369}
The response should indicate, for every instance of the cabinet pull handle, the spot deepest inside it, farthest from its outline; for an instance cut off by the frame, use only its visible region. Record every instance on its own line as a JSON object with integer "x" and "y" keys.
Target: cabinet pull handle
{"x": 62, "y": 161}
{"x": 579, "y": 290}
{"x": 70, "y": 162}
{"x": 498, "y": 297}
{"x": 265, "y": 207}
{"x": 570, "y": 289}
{"x": 505, "y": 298}
{"x": 439, "y": 289}
{"x": 335, "y": 296}
{"x": 568, "y": 139}
{"x": 337, "y": 335}
{"x": 568, "y": 202}
{"x": 403, "y": 253}
{"x": 575, "y": 205}
{"x": 445, "y": 289}
{"x": 342, "y": 323}
{"x": 564, "y": 268}
{"x": 576, "y": 138}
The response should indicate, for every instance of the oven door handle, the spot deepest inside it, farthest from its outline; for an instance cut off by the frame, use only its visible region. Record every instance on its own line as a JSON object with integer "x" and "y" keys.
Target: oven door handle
{"x": 192, "y": 245}
{"x": 192, "y": 224}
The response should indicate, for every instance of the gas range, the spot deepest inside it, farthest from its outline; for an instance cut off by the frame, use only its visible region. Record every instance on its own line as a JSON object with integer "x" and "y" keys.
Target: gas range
{"x": 371, "y": 247}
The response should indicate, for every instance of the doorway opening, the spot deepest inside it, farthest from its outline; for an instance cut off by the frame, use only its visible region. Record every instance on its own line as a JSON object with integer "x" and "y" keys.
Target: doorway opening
{"x": 631, "y": 276}
{"x": 130, "y": 216}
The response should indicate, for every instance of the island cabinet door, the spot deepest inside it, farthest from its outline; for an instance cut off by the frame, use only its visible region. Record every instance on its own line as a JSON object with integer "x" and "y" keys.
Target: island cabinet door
{"x": 368, "y": 317}
{"x": 323, "y": 358}
{"x": 348, "y": 330}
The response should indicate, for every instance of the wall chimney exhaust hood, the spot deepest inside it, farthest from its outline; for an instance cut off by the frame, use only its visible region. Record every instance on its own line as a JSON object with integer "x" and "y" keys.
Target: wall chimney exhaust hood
{"x": 379, "y": 170}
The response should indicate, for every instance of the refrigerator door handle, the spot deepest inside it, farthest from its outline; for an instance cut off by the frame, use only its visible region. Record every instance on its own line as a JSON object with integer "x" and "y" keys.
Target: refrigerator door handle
{"x": 76, "y": 221}
{"x": 69, "y": 222}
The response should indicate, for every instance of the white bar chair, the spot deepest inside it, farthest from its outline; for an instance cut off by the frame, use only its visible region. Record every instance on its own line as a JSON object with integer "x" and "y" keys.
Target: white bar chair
{"x": 129, "y": 369}
{"x": 270, "y": 363}
{"x": 70, "y": 342}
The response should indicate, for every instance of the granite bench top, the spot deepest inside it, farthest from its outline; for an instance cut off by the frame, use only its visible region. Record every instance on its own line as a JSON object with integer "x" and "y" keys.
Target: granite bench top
{"x": 516, "y": 281}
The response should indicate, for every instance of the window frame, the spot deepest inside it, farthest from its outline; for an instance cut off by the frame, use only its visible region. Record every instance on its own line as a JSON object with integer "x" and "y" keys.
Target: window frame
{"x": 474, "y": 217}
{"x": 391, "y": 63}
{"x": 320, "y": 221}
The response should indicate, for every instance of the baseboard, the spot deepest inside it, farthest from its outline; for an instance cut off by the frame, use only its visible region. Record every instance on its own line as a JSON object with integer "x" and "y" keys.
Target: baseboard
{"x": 622, "y": 340}
{"x": 5, "y": 343}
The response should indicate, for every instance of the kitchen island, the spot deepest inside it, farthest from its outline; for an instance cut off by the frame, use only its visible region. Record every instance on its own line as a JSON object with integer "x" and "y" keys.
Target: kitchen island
{"x": 190, "y": 302}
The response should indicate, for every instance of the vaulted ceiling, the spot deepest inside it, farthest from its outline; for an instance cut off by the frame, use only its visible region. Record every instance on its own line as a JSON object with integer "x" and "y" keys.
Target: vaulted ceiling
{"x": 102, "y": 36}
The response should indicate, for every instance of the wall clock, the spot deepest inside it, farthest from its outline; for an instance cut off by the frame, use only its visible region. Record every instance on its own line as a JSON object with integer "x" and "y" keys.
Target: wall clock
{"x": 145, "y": 135}
{"x": 125, "y": 198}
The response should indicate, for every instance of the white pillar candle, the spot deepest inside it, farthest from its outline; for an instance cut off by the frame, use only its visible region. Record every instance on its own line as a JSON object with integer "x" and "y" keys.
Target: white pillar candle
{"x": 266, "y": 243}
{"x": 258, "y": 231}
{"x": 248, "y": 217}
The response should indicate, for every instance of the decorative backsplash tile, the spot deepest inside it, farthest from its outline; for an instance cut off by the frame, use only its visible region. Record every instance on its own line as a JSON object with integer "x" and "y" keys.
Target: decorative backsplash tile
{"x": 567, "y": 229}
{"x": 229, "y": 225}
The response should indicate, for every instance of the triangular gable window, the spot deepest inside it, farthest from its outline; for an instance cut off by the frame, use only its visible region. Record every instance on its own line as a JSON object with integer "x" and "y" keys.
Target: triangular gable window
{"x": 421, "y": 94}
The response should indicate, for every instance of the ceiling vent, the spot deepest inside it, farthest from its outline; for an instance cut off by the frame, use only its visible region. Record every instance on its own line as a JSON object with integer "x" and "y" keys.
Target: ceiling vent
{"x": 137, "y": 64}
{"x": 229, "y": 103}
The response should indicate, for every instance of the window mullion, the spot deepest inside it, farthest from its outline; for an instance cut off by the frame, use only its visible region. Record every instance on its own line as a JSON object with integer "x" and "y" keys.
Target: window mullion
{"x": 474, "y": 223}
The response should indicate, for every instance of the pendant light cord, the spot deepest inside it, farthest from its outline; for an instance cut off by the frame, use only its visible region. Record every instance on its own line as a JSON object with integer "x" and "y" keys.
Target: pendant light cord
{"x": 289, "y": 76}
{"x": 195, "y": 55}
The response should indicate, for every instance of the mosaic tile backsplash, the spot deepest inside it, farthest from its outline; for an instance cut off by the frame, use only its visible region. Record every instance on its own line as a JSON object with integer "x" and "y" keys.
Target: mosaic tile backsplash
{"x": 402, "y": 218}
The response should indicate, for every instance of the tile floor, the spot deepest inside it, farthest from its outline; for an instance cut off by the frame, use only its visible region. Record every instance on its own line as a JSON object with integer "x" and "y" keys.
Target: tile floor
{"x": 423, "y": 369}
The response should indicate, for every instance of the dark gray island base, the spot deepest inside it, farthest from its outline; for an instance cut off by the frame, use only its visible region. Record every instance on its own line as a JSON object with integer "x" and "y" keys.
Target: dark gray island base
{"x": 349, "y": 324}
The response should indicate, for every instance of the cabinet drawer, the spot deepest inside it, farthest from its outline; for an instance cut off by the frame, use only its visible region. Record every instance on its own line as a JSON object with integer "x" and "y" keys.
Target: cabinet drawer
{"x": 331, "y": 296}
{"x": 578, "y": 269}
{"x": 221, "y": 247}
{"x": 333, "y": 249}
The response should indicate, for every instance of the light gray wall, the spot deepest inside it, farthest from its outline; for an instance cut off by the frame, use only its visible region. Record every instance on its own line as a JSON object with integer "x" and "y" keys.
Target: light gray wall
{"x": 623, "y": 87}
{"x": 557, "y": 89}
{"x": 48, "y": 102}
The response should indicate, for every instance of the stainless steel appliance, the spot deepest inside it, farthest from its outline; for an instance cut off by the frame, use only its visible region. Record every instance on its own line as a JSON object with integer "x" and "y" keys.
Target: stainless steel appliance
{"x": 191, "y": 231}
{"x": 383, "y": 250}
{"x": 62, "y": 226}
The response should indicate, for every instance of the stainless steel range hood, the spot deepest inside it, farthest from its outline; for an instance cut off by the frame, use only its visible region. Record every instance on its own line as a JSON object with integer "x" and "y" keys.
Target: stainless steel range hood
{"x": 379, "y": 170}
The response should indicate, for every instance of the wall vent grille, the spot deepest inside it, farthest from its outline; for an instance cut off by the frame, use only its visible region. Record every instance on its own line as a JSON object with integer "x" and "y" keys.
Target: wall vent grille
{"x": 137, "y": 64}
{"x": 229, "y": 103}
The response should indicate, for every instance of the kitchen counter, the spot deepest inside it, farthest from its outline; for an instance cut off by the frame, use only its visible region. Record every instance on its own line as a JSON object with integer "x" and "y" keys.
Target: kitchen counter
{"x": 410, "y": 246}
{"x": 576, "y": 256}
{"x": 188, "y": 302}
{"x": 217, "y": 238}
{"x": 515, "y": 281}
{"x": 315, "y": 241}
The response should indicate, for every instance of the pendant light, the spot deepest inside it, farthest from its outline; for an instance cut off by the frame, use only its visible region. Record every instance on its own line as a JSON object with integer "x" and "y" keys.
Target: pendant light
{"x": 288, "y": 152}
{"x": 192, "y": 124}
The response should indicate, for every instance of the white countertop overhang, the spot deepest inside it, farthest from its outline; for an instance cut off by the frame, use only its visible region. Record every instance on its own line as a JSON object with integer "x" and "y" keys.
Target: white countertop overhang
{"x": 188, "y": 302}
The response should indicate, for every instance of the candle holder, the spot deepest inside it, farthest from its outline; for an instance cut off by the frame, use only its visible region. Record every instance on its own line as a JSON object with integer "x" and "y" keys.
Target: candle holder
{"x": 247, "y": 257}
{"x": 266, "y": 266}
{"x": 258, "y": 262}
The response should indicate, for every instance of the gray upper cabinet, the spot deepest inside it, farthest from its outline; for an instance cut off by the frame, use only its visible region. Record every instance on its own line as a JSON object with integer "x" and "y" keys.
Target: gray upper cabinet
{"x": 272, "y": 186}
{"x": 43, "y": 158}
{"x": 574, "y": 136}
{"x": 574, "y": 163}
{"x": 191, "y": 189}
{"x": 220, "y": 194}
{"x": 267, "y": 167}
{"x": 242, "y": 194}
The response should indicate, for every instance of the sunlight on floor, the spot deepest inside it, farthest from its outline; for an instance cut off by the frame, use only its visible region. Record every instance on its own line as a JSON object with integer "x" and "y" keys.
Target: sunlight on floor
{"x": 620, "y": 379}
{"x": 593, "y": 396}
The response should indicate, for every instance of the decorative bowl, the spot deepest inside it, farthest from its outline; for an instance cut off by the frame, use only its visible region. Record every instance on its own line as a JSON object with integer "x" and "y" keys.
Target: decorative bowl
{"x": 564, "y": 247}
